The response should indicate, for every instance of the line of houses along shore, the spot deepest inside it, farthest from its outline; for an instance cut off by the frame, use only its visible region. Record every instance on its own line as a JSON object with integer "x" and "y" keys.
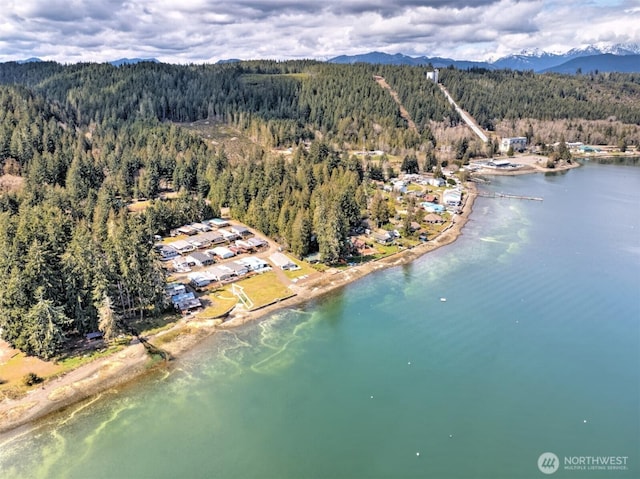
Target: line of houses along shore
{"x": 218, "y": 251}
{"x": 210, "y": 246}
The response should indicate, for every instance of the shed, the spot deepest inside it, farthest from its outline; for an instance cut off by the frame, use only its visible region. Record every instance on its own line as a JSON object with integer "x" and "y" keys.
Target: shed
{"x": 282, "y": 261}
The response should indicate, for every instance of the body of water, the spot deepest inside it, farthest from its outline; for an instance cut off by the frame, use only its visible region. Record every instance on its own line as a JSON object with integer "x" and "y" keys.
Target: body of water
{"x": 537, "y": 349}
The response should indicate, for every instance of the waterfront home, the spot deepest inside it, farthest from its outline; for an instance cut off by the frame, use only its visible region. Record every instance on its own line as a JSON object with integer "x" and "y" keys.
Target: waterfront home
{"x": 452, "y": 197}
{"x": 282, "y": 261}
{"x": 218, "y": 273}
{"x": 383, "y": 236}
{"x": 433, "y": 219}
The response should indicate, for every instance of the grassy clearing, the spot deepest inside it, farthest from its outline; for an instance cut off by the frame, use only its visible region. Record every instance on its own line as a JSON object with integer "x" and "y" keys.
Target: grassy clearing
{"x": 217, "y": 304}
{"x": 153, "y": 325}
{"x": 72, "y": 362}
{"x": 305, "y": 269}
{"x": 257, "y": 78}
{"x": 264, "y": 289}
{"x": 138, "y": 206}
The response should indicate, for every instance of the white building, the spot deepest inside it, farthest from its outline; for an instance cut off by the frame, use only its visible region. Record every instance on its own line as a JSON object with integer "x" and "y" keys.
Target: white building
{"x": 433, "y": 76}
{"x": 452, "y": 197}
{"x": 518, "y": 143}
{"x": 222, "y": 252}
{"x": 282, "y": 261}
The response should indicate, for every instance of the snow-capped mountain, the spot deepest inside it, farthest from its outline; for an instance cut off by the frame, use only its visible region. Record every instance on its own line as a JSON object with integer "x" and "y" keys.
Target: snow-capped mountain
{"x": 538, "y": 60}
{"x": 597, "y": 57}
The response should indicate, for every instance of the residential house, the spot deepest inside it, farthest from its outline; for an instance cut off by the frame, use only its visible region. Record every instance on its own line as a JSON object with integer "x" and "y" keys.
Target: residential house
{"x": 383, "y": 237}
{"x": 240, "y": 230}
{"x": 257, "y": 242}
{"x": 282, "y": 261}
{"x": 452, "y": 197}
{"x": 218, "y": 222}
{"x": 228, "y": 235}
{"x": 166, "y": 252}
{"x": 254, "y": 263}
{"x": 200, "y": 259}
{"x": 433, "y": 219}
{"x": 222, "y": 252}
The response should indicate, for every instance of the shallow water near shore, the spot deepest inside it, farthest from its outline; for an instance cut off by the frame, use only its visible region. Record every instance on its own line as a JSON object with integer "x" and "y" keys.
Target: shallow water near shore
{"x": 536, "y": 349}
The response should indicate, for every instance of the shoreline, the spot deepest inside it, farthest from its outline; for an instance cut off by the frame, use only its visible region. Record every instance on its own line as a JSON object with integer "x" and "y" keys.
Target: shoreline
{"x": 124, "y": 367}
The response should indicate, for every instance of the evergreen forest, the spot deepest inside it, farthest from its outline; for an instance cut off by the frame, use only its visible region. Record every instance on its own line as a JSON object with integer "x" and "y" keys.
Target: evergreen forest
{"x": 80, "y": 142}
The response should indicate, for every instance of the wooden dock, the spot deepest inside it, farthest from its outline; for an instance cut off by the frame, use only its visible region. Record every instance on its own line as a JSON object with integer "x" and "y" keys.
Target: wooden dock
{"x": 493, "y": 194}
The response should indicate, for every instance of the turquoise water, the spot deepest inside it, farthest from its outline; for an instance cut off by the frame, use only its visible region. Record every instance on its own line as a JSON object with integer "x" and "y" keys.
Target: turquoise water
{"x": 540, "y": 333}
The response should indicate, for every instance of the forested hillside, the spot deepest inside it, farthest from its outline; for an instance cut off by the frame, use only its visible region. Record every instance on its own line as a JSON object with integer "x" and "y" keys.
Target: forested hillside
{"x": 493, "y": 95}
{"x": 85, "y": 139}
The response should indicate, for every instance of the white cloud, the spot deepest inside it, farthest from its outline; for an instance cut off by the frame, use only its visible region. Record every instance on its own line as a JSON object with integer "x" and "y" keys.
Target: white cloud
{"x": 208, "y": 30}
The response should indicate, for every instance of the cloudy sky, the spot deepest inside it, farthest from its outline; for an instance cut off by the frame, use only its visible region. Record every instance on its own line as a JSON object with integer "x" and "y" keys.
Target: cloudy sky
{"x": 197, "y": 31}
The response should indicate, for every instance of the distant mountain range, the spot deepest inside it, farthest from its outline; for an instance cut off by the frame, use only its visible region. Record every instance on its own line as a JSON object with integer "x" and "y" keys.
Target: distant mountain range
{"x": 621, "y": 57}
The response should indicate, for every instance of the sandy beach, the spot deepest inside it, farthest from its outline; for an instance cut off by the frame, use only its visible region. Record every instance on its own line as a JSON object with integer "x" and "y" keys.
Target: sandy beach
{"x": 132, "y": 362}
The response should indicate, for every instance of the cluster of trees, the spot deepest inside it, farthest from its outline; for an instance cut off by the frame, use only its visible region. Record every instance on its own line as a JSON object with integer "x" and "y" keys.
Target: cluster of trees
{"x": 73, "y": 259}
{"x": 493, "y": 95}
{"x": 306, "y": 203}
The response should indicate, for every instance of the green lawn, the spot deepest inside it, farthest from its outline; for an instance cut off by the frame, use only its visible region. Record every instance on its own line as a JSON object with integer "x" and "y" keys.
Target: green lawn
{"x": 305, "y": 269}
{"x": 263, "y": 289}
